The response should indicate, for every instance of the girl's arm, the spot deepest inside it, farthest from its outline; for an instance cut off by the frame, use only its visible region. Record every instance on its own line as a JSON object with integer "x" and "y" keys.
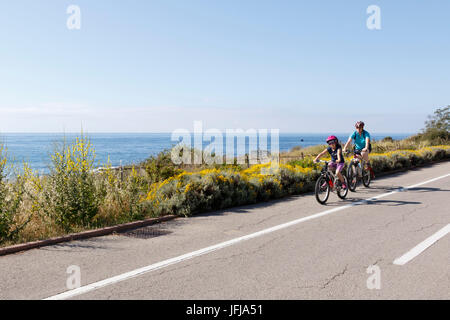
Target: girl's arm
{"x": 339, "y": 155}
{"x": 320, "y": 155}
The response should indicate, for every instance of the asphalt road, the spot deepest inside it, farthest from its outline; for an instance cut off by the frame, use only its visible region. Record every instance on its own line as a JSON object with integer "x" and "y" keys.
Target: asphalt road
{"x": 294, "y": 248}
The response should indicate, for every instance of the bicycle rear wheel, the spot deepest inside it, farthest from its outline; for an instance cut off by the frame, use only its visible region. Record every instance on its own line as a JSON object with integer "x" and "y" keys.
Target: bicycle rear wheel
{"x": 322, "y": 190}
{"x": 366, "y": 177}
{"x": 342, "y": 193}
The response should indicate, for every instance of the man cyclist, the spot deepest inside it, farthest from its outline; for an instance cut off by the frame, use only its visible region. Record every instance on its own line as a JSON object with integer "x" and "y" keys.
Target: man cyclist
{"x": 362, "y": 142}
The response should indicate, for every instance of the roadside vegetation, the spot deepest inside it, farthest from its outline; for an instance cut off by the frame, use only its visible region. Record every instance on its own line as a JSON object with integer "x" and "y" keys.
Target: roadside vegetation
{"x": 75, "y": 197}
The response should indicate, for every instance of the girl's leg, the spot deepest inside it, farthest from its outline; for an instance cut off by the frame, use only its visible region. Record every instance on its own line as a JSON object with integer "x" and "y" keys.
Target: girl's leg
{"x": 341, "y": 178}
{"x": 339, "y": 174}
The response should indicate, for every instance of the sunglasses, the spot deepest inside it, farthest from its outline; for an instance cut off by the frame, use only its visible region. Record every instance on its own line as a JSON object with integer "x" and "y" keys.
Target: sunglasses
{"x": 332, "y": 142}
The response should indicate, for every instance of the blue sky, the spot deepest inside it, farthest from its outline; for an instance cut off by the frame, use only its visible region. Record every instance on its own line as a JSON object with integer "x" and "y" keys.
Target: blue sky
{"x": 154, "y": 66}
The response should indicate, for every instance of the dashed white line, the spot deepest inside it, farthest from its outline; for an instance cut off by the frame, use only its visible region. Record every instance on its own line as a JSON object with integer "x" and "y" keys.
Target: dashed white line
{"x": 190, "y": 255}
{"x": 421, "y": 247}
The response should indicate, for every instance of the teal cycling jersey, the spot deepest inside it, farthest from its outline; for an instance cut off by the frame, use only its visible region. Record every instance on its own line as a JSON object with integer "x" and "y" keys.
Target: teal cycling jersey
{"x": 360, "y": 139}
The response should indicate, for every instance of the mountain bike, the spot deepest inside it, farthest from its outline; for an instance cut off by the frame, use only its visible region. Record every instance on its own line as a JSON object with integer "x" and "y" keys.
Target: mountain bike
{"x": 358, "y": 170}
{"x": 328, "y": 182}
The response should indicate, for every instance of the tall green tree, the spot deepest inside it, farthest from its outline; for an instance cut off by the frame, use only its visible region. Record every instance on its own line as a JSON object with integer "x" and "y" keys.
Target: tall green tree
{"x": 440, "y": 120}
{"x": 437, "y": 127}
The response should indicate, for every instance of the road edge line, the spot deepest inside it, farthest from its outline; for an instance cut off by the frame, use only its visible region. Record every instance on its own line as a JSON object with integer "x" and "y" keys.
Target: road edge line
{"x": 421, "y": 247}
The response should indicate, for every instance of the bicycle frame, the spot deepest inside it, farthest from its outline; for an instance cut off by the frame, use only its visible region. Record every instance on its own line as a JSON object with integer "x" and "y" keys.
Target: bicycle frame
{"x": 357, "y": 171}
{"x": 326, "y": 172}
{"x": 358, "y": 158}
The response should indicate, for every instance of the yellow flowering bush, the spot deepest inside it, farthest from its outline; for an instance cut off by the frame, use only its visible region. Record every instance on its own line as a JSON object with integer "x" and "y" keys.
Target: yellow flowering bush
{"x": 213, "y": 189}
{"x": 403, "y": 159}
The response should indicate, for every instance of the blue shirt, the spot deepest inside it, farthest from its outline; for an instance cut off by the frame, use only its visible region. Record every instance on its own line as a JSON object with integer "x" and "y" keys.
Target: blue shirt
{"x": 360, "y": 140}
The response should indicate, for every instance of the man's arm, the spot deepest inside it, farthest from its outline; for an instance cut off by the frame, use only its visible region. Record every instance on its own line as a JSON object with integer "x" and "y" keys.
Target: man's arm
{"x": 367, "y": 144}
{"x": 347, "y": 143}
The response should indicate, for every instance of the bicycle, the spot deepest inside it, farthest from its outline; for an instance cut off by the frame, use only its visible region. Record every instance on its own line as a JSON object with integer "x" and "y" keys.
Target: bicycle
{"x": 356, "y": 171}
{"x": 328, "y": 182}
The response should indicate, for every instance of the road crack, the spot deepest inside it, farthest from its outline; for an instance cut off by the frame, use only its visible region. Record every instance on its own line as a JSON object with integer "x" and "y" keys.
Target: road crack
{"x": 333, "y": 278}
{"x": 427, "y": 227}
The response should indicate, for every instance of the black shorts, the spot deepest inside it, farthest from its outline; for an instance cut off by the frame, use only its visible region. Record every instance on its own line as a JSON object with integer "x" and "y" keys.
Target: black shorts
{"x": 358, "y": 151}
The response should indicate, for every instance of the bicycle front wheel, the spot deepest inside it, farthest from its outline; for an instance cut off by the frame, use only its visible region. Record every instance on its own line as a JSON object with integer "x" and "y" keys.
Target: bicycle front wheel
{"x": 352, "y": 176}
{"x": 322, "y": 190}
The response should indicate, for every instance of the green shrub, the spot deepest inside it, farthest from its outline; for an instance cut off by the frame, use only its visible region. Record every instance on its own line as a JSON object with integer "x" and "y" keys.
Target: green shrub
{"x": 70, "y": 195}
{"x": 11, "y": 197}
{"x": 387, "y": 139}
{"x": 161, "y": 167}
{"x": 307, "y": 162}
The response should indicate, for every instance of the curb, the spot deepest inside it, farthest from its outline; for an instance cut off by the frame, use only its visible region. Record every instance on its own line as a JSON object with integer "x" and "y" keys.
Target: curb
{"x": 83, "y": 235}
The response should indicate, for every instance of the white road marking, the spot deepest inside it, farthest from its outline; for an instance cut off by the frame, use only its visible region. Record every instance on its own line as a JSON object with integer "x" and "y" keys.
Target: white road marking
{"x": 421, "y": 247}
{"x": 190, "y": 255}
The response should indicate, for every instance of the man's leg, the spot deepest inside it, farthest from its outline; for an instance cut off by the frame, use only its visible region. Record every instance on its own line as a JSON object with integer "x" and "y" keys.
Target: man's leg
{"x": 359, "y": 155}
{"x": 365, "y": 156}
{"x": 367, "y": 163}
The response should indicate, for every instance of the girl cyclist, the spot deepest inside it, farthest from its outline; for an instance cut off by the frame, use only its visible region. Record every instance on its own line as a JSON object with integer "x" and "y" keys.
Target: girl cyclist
{"x": 337, "y": 158}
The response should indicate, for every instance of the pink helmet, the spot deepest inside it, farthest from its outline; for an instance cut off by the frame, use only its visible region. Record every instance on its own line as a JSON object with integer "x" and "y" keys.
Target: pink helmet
{"x": 332, "y": 138}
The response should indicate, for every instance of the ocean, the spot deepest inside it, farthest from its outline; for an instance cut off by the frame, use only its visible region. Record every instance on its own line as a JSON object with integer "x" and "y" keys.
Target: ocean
{"x": 130, "y": 148}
